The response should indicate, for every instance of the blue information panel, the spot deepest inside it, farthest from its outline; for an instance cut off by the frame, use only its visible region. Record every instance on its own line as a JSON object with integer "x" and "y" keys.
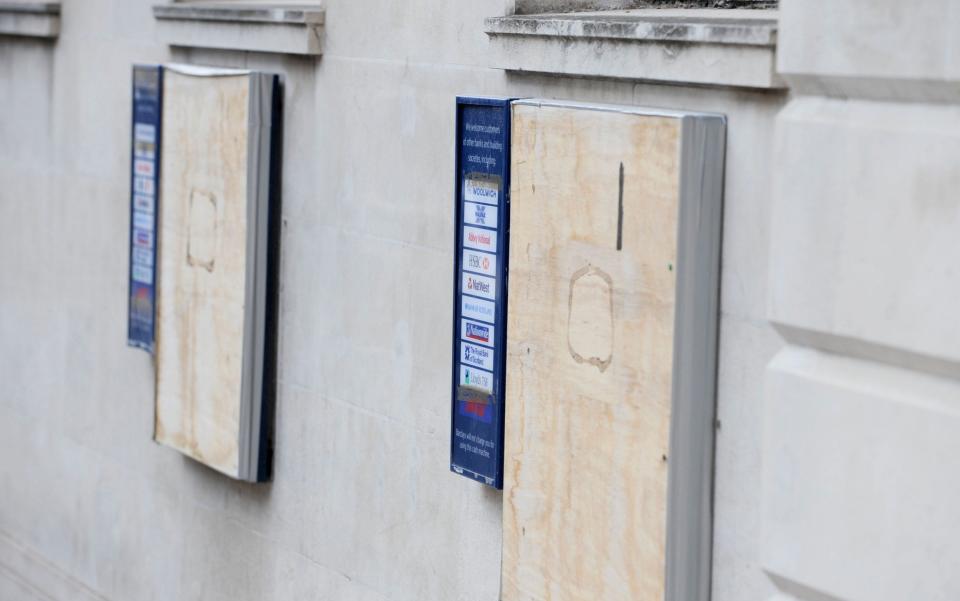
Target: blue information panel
{"x": 480, "y": 285}
{"x": 144, "y": 187}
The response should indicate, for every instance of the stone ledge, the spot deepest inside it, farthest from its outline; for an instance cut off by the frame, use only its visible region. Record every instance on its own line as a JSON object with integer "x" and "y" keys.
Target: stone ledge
{"x": 30, "y": 19}
{"x": 702, "y": 47}
{"x": 285, "y": 29}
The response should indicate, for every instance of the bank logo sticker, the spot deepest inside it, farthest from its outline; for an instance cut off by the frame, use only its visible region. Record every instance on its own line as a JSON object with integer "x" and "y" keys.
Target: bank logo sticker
{"x": 145, "y": 132}
{"x": 479, "y": 411}
{"x": 476, "y": 308}
{"x": 143, "y": 203}
{"x": 480, "y": 333}
{"x": 142, "y": 274}
{"x": 142, "y": 256}
{"x": 142, "y": 304}
{"x": 143, "y": 238}
{"x": 479, "y": 262}
{"x": 476, "y": 378}
{"x": 479, "y": 214}
{"x": 144, "y": 150}
{"x": 142, "y": 167}
{"x": 143, "y": 220}
{"x": 479, "y": 239}
{"x": 479, "y": 285}
{"x": 476, "y": 356}
{"x": 143, "y": 185}
{"x": 481, "y": 188}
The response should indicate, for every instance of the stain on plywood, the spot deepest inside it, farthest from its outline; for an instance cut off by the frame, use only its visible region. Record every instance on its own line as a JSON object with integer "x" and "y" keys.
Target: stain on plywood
{"x": 589, "y": 364}
{"x": 202, "y": 225}
{"x": 590, "y": 321}
{"x": 202, "y": 260}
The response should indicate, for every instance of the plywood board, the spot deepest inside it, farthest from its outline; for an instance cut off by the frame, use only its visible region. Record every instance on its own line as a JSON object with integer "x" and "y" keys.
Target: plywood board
{"x": 594, "y": 219}
{"x": 203, "y": 267}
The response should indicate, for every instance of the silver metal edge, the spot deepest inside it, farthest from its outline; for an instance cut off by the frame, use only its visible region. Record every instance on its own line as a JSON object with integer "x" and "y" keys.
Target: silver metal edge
{"x": 258, "y": 151}
{"x": 202, "y": 71}
{"x": 265, "y": 123}
{"x": 696, "y": 325}
{"x": 614, "y": 108}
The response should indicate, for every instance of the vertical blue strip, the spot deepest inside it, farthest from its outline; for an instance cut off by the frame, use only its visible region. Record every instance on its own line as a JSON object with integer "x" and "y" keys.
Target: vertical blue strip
{"x": 144, "y": 204}
{"x": 481, "y": 248}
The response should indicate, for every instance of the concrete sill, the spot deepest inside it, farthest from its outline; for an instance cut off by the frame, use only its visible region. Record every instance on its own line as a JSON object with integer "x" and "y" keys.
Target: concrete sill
{"x": 30, "y": 19}
{"x": 285, "y": 29}
{"x": 735, "y": 48}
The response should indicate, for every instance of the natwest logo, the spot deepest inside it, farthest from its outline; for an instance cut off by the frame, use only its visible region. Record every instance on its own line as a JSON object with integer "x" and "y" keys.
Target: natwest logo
{"x": 479, "y": 285}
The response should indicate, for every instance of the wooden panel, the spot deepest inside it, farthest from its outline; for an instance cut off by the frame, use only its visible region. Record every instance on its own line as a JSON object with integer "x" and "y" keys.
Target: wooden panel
{"x": 203, "y": 240}
{"x": 594, "y": 210}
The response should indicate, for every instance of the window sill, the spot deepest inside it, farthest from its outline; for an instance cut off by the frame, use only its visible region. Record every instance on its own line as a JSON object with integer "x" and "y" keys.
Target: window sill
{"x": 30, "y": 19}
{"x": 293, "y": 29}
{"x": 731, "y": 48}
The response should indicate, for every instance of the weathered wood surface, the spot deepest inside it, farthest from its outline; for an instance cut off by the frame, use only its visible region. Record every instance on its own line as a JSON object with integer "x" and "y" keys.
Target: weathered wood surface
{"x": 202, "y": 257}
{"x": 589, "y": 367}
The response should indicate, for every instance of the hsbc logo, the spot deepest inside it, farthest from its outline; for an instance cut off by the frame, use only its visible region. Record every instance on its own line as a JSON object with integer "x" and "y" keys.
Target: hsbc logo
{"x": 480, "y": 262}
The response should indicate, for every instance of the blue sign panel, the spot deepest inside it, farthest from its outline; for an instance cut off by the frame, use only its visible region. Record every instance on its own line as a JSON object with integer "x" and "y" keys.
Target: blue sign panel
{"x": 480, "y": 285}
{"x": 144, "y": 188}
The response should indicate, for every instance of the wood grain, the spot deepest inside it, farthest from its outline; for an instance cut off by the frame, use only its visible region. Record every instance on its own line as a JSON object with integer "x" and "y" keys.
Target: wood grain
{"x": 594, "y": 212}
{"x": 202, "y": 260}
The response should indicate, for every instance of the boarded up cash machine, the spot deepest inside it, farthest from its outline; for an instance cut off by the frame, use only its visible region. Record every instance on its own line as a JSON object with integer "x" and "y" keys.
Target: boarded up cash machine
{"x": 611, "y": 354}
{"x": 217, "y": 264}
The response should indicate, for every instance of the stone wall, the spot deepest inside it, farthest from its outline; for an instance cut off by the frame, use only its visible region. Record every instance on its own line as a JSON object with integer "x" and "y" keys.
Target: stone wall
{"x": 835, "y": 403}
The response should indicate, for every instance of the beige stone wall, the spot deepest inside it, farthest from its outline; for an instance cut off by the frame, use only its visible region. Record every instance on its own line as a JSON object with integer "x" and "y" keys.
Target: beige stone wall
{"x": 362, "y": 505}
{"x": 860, "y": 407}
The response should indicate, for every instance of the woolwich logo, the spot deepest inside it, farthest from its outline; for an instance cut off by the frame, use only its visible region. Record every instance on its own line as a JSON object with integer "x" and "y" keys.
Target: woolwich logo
{"x": 481, "y": 188}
